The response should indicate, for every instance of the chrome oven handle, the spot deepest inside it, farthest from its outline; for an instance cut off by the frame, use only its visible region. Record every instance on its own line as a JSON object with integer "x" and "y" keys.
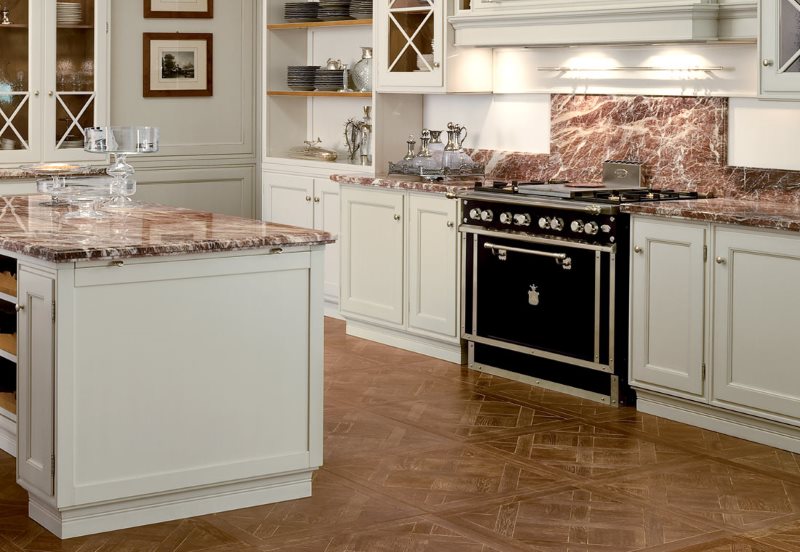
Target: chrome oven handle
{"x": 502, "y": 252}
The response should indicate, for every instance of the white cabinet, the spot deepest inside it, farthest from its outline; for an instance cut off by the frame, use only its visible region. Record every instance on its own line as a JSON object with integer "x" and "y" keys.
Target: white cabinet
{"x": 372, "y": 254}
{"x": 432, "y": 265}
{"x": 400, "y": 283}
{"x": 756, "y": 319}
{"x": 36, "y": 380}
{"x": 779, "y": 44}
{"x": 415, "y": 51}
{"x": 54, "y": 80}
{"x": 667, "y": 306}
{"x": 307, "y": 202}
{"x": 714, "y": 318}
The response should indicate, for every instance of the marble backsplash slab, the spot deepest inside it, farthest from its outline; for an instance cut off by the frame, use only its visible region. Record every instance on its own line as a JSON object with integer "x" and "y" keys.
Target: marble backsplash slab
{"x": 682, "y": 142}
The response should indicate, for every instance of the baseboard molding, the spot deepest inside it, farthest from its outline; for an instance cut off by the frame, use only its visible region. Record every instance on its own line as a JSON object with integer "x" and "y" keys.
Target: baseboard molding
{"x": 759, "y": 430}
{"x": 8, "y": 436}
{"x": 450, "y": 352}
{"x": 76, "y": 522}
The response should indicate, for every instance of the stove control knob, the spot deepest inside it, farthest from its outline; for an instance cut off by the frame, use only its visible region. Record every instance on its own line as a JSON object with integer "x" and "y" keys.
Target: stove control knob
{"x": 475, "y": 214}
{"x": 487, "y": 216}
{"x": 505, "y": 218}
{"x": 605, "y": 228}
{"x": 577, "y": 226}
{"x": 556, "y": 224}
{"x": 544, "y": 223}
{"x": 591, "y": 228}
{"x": 522, "y": 220}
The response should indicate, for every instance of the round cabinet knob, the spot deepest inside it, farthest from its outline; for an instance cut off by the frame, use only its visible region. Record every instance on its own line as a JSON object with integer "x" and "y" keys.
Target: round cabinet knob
{"x": 767, "y": 62}
{"x": 591, "y": 228}
{"x": 544, "y": 223}
{"x": 556, "y": 224}
{"x": 522, "y": 219}
{"x": 397, "y": 217}
{"x": 721, "y": 260}
{"x": 487, "y": 216}
{"x": 19, "y": 308}
{"x": 475, "y": 214}
{"x": 576, "y": 226}
{"x": 637, "y": 249}
{"x": 505, "y": 218}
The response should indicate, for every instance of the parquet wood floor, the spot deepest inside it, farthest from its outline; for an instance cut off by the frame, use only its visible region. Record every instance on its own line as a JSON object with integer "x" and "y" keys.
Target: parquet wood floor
{"x": 424, "y": 456}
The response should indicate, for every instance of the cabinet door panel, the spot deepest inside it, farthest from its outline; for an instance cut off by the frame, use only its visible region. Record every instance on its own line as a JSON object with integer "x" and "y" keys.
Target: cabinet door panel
{"x": 757, "y": 314}
{"x": 432, "y": 265}
{"x": 36, "y": 373}
{"x": 667, "y": 306}
{"x": 779, "y": 43}
{"x": 372, "y": 254}
{"x": 289, "y": 200}
{"x": 326, "y": 217}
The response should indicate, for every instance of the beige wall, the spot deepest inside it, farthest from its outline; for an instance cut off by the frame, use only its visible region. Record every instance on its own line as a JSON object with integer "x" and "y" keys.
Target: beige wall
{"x": 219, "y": 132}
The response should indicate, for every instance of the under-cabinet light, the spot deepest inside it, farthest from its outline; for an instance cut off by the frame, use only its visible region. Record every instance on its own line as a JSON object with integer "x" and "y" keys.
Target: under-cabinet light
{"x": 638, "y": 68}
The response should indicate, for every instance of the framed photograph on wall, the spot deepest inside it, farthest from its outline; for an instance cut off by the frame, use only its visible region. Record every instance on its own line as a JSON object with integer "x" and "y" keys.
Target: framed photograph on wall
{"x": 184, "y": 9}
{"x": 178, "y": 64}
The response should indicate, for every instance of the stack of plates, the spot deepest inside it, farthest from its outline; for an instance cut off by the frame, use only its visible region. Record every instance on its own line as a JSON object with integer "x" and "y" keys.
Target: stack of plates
{"x": 302, "y": 77}
{"x": 329, "y": 80}
{"x": 361, "y": 9}
{"x": 334, "y": 10}
{"x": 297, "y": 12}
{"x": 69, "y": 13}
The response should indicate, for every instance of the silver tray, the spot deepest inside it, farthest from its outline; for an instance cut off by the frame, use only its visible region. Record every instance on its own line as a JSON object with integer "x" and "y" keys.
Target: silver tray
{"x": 465, "y": 171}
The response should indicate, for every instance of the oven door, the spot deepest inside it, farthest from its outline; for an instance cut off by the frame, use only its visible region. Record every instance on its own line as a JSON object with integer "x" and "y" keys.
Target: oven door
{"x": 546, "y": 297}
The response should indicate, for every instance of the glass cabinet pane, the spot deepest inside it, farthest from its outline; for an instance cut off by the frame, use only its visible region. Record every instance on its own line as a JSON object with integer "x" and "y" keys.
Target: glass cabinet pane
{"x": 789, "y": 41}
{"x": 75, "y": 71}
{"x": 411, "y": 36}
{"x": 14, "y": 78}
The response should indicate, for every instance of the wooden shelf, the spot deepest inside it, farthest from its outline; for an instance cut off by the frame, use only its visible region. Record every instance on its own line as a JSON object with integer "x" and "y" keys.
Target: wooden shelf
{"x": 75, "y": 26}
{"x": 14, "y": 26}
{"x": 8, "y": 285}
{"x": 8, "y": 402}
{"x": 318, "y": 24}
{"x": 299, "y": 93}
{"x": 8, "y": 344}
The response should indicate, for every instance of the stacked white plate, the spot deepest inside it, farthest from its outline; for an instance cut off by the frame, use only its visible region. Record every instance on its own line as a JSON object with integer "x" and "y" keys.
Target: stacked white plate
{"x": 361, "y": 9}
{"x": 334, "y": 10}
{"x": 69, "y": 13}
{"x": 329, "y": 80}
{"x": 295, "y": 12}
{"x": 302, "y": 77}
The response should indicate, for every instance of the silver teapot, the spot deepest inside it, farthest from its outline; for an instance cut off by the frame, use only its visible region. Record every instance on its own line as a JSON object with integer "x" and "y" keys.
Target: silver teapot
{"x": 334, "y": 65}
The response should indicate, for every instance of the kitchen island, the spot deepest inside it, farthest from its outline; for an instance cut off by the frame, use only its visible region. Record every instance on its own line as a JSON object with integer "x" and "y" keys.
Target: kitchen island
{"x": 169, "y": 363}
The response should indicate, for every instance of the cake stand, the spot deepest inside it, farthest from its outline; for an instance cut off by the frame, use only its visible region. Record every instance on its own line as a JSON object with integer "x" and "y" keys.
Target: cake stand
{"x": 57, "y": 172}
{"x": 121, "y": 142}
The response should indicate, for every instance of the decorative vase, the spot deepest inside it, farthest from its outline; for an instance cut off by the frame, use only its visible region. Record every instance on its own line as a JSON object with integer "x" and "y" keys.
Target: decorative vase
{"x": 362, "y": 71}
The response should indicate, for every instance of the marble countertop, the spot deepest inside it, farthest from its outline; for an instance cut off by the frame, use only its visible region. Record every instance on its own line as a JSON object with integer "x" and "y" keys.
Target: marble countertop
{"x": 20, "y": 174}
{"x": 145, "y": 231}
{"x": 758, "y": 214}
{"x": 411, "y": 183}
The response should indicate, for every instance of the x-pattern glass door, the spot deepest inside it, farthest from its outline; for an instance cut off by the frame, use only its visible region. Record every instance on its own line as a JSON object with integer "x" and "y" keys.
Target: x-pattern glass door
{"x": 412, "y": 31}
{"x": 780, "y": 45}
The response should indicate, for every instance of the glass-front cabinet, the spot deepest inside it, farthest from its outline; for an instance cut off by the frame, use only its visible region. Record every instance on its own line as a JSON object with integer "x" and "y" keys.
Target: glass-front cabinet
{"x": 53, "y": 77}
{"x": 410, "y": 50}
{"x": 780, "y": 48}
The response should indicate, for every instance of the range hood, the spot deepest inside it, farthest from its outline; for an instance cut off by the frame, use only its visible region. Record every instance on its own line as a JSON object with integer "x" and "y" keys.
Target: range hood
{"x": 576, "y": 22}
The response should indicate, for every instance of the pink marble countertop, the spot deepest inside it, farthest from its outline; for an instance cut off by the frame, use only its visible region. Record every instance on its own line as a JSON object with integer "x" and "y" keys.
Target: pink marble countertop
{"x": 411, "y": 183}
{"x": 144, "y": 231}
{"x": 20, "y": 174}
{"x": 758, "y": 214}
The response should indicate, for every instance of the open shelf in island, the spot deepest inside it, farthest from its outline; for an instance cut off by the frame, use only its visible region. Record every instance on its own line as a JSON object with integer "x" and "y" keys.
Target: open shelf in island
{"x": 8, "y": 346}
{"x": 8, "y": 402}
{"x": 318, "y": 24}
{"x": 319, "y": 94}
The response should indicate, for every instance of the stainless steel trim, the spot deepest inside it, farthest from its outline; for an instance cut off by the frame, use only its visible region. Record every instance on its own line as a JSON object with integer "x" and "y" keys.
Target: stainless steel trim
{"x": 539, "y": 353}
{"x": 463, "y": 275}
{"x": 545, "y": 384}
{"x": 533, "y": 201}
{"x": 598, "y": 257}
{"x": 612, "y": 301}
{"x": 531, "y": 239}
{"x": 475, "y": 285}
{"x": 556, "y": 256}
{"x": 614, "y": 391}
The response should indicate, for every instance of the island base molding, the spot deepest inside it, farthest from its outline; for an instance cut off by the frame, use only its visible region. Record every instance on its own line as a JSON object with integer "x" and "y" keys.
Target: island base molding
{"x": 449, "y": 352}
{"x": 747, "y": 427}
{"x": 8, "y": 436}
{"x": 111, "y": 516}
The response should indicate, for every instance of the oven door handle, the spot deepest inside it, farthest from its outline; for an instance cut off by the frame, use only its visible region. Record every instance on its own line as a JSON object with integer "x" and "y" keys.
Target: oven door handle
{"x": 502, "y": 254}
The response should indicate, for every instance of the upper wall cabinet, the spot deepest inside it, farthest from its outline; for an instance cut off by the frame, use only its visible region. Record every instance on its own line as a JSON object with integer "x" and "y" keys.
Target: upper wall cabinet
{"x": 779, "y": 42}
{"x": 415, "y": 51}
{"x": 556, "y": 22}
{"x": 53, "y": 78}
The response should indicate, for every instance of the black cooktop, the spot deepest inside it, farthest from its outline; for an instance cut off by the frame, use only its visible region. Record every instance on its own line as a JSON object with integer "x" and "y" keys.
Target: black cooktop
{"x": 595, "y": 192}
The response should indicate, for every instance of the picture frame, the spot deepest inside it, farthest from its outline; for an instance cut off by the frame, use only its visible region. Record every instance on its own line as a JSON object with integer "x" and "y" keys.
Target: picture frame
{"x": 184, "y": 9}
{"x": 177, "y": 65}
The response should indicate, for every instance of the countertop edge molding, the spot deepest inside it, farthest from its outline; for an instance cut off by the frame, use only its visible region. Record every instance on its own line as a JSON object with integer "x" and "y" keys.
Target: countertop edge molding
{"x": 406, "y": 184}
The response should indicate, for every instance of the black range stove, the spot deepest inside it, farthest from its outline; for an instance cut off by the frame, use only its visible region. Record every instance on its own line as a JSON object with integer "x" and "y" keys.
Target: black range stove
{"x": 545, "y": 283}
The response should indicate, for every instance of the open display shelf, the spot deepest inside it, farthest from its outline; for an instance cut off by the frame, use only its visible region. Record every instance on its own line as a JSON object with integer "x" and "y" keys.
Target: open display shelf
{"x": 320, "y": 24}
{"x": 319, "y": 94}
{"x": 8, "y": 337}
